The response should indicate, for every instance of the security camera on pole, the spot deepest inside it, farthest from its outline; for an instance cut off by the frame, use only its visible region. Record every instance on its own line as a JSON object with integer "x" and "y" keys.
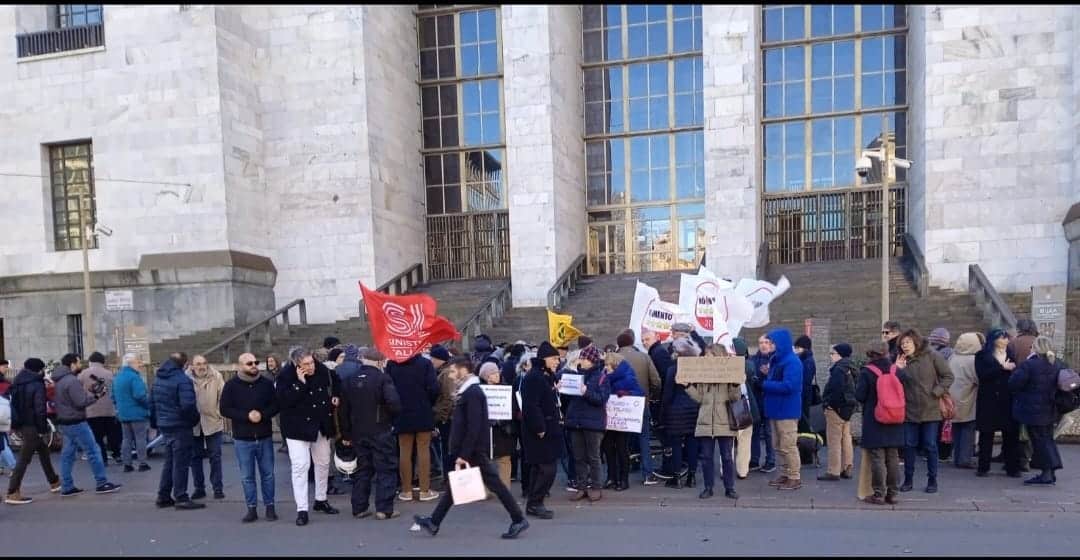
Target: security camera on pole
{"x": 885, "y": 153}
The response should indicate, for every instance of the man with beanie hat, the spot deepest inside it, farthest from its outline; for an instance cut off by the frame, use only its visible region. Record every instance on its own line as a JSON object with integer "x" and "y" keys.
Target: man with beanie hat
{"x": 839, "y": 404}
{"x": 482, "y": 350}
{"x": 541, "y": 428}
{"x": 649, "y": 380}
{"x": 804, "y": 349}
{"x": 444, "y": 407}
{"x": 939, "y": 342}
{"x": 583, "y": 342}
{"x": 29, "y": 418}
{"x": 369, "y": 404}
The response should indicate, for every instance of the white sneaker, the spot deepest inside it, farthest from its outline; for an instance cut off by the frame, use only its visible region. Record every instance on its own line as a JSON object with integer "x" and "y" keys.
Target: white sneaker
{"x": 405, "y": 496}
{"x": 428, "y": 496}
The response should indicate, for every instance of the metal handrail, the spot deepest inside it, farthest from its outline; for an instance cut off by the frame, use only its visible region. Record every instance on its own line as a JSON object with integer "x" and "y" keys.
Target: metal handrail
{"x": 492, "y": 309}
{"x": 267, "y": 322}
{"x": 993, "y": 306}
{"x": 915, "y": 265}
{"x": 401, "y": 283}
{"x": 566, "y": 284}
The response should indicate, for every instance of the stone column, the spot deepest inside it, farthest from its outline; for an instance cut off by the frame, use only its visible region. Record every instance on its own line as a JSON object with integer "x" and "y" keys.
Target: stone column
{"x": 732, "y": 138}
{"x": 545, "y": 150}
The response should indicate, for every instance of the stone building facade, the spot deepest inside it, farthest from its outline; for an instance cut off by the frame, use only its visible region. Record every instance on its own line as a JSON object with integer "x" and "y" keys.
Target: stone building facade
{"x": 246, "y": 156}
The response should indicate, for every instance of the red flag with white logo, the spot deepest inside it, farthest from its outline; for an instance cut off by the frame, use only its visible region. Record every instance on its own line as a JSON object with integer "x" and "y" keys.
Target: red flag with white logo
{"x": 403, "y": 326}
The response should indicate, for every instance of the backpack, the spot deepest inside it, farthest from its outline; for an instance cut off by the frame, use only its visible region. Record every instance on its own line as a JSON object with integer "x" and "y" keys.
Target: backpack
{"x": 890, "y": 407}
{"x": 1067, "y": 396}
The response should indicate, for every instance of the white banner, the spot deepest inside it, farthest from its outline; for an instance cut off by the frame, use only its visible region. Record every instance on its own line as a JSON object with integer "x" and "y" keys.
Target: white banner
{"x": 697, "y": 294}
{"x": 499, "y": 401}
{"x": 652, "y": 314}
{"x": 624, "y": 414}
{"x": 761, "y": 294}
{"x": 732, "y": 313}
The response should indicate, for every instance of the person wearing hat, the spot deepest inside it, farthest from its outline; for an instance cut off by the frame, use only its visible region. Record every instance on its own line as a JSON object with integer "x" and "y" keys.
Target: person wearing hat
{"x": 471, "y": 446}
{"x": 586, "y": 420}
{"x": 783, "y": 389}
{"x": 804, "y": 349}
{"x": 369, "y": 405}
{"x": 483, "y": 348}
{"x": 503, "y": 435}
{"x": 29, "y": 419}
{"x": 542, "y": 435}
{"x": 249, "y": 401}
{"x": 444, "y": 406}
{"x": 839, "y": 404}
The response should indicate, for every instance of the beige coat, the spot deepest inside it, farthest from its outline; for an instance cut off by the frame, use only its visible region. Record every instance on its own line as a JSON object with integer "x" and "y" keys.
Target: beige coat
{"x": 965, "y": 387}
{"x": 208, "y": 398}
{"x": 644, "y": 369}
{"x": 103, "y": 407}
{"x": 712, "y": 420}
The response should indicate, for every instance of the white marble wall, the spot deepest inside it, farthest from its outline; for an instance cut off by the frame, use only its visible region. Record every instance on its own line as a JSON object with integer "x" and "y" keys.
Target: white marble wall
{"x": 545, "y": 150}
{"x": 999, "y": 142}
{"x": 732, "y": 138}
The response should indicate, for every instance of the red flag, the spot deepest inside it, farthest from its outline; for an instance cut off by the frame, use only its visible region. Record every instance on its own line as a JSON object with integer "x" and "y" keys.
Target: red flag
{"x": 403, "y": 326}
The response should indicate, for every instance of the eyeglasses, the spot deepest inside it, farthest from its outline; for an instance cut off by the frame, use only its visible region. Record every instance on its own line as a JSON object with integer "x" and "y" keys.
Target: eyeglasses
{"x": 255, "y": 363}
{"x": 886, "y": 332}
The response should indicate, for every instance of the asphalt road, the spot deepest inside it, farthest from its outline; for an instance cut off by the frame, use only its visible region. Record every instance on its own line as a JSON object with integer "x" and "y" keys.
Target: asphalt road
{"x": 969, "y": 516}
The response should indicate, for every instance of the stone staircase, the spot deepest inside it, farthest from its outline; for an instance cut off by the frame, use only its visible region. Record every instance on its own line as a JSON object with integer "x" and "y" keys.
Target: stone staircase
{"x": 457, "y": 302}
{"x": 846, "y": 294}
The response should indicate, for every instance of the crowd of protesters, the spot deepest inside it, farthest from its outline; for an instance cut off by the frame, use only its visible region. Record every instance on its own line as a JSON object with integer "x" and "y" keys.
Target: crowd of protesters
{"x": 392, "y": 430}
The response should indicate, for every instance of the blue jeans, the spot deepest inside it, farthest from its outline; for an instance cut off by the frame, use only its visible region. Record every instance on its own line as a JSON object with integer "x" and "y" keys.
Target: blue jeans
{"x": 924, "y": 435}
{"x": 643, "y": 444}
{"x": 707, "y": 447}
{"x": 174, "y": 471}
{"x": 7, "y": 456}
{"x": 203, "y": 447}
{"x": 249, "y": 454}
{"x": 963, "y": 434}
{"x": 762, "y": 433}
{"x": 79, "y": 438}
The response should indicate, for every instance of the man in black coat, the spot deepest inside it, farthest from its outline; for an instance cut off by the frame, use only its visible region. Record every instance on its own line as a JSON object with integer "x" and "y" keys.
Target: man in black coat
{"x": 417, "y": 384}
{"x": 369, "y": 404}
{"x": 470, "y": 440}
{"x": 541, "y": 428}
{"x": 248, "y": 400}
{"x": 30, "y": 419}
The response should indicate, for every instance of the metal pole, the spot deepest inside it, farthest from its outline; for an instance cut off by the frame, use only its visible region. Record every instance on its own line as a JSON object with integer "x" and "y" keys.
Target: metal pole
{"x": 88, "y": 305}
{"x": 886, "y": 240}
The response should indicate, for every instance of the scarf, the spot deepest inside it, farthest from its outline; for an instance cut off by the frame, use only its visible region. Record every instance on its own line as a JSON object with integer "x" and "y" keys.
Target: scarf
{"x": 469, "y": 382}
{"x": 249, "y": 378}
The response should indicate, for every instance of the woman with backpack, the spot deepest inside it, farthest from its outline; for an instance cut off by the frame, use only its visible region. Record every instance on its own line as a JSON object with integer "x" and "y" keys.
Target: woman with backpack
{"x": 881, "y": 393}
{"x": 993, "y": 406}
{"x": 927, "y": 381}
{"x": 839, "y": 404}
{"x": 1033, "y": 386}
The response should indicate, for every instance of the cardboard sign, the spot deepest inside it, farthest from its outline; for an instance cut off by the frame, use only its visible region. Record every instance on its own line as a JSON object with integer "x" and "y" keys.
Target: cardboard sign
{"x": 570, "y": 384}
{"x": 624, "y": 414}
{"x": 499, "y": 399}
{"x": 711, "y": 369}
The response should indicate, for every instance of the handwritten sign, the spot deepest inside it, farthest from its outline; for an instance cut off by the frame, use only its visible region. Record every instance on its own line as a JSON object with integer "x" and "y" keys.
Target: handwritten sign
{"x": 498, "y": 401}
{"x": 711, "y": 369}
{"x": 624, "y": 414}
{"x": 570, "y": 384}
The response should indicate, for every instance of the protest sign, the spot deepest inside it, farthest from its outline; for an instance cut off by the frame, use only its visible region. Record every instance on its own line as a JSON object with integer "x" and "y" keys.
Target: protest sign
{"x": 651, "y": 314}
{"x": 624, "y": 414}
{"x": 498, "y": 401}
{"x": 570, "y": 384}
{"x": 712, "y": 369}
{"x": 761, "y": 294}
{"x": 697, "y": 294}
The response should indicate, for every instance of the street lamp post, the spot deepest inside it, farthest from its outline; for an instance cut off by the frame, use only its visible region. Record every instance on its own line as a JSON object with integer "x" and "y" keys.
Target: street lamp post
{"x": 886, "y": 154}
{"x": 88, "y": 304}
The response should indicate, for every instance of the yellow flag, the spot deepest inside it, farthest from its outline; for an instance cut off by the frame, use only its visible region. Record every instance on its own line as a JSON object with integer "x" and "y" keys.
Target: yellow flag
{"x": 560, "y": 331}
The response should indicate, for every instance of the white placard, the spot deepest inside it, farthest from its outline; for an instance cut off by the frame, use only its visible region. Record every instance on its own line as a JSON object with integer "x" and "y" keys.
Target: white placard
{"x": 119, "y": 300}
{"x": 653, "y": 314}
{"x": 499, "y": 401}
{"x": 570, "y": 384}
{"x": 624, "y": 414}
{"x": 761, "y": 293}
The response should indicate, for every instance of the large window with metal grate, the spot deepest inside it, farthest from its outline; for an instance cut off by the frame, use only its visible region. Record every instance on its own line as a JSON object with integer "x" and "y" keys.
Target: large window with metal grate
{"x": 833, "y": 78}
{"x": 72, "y": 184}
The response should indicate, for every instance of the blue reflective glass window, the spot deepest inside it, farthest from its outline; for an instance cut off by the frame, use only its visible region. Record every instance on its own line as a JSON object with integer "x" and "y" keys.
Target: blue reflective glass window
{"x": 774, "y": 24}
{"x": 793, "y": 64}
{"x": 872, "y": 17}
{"x": 774, "y": 101}
{"x": 637, "y": 39}
{"x": 774, "y": 65}
{"x": 872, "y": 58}
{"x": 872, "y": 90}
{"x": 794, "y": 23}
{"x": 470, "y": 97}
{"x": 635, "y": 13}
{"x": 774, "y": 140}
{"x": 657, "y": 38}
{"x": 470, "y": 60}
{"x": 486, "y": 24}
{"x": 794, "y": 99}
{"x": 639, "y": 80}
{"x": 613, "y": 42}
{"x": 468, "y": 28}
{"x": 489, "y": 58}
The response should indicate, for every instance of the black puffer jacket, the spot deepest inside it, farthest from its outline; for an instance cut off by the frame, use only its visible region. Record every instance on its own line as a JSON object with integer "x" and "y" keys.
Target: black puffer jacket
{"x": 839, "y": 394}
{"x": 369, "y": 404}
{"x": 678, "y": 411}
{"x": 27, "y": 396}
{"x": 1033, "y": 386}
{"x": 306, "y": 410}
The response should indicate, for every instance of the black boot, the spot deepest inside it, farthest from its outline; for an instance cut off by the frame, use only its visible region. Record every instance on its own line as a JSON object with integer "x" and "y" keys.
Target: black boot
{"x": 271, "y": 515}
{"x": 252, "y": 515}
{"x": 301, "y": 518}
{"x": 691, "y": 482}
{"x": 324, "y": 507}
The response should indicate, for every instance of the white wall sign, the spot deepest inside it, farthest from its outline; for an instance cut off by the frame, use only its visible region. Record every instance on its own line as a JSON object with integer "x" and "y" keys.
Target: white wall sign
{"x": 119, "y": 300}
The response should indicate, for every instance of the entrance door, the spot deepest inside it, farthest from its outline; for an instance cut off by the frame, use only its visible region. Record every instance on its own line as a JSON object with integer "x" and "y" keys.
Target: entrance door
{"x": 607, "y": 248}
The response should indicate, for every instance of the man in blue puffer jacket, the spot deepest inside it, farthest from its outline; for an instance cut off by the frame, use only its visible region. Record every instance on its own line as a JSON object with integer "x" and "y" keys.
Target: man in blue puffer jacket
{"x": 783, "y": 407}
{"x": 173, "y": 405}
